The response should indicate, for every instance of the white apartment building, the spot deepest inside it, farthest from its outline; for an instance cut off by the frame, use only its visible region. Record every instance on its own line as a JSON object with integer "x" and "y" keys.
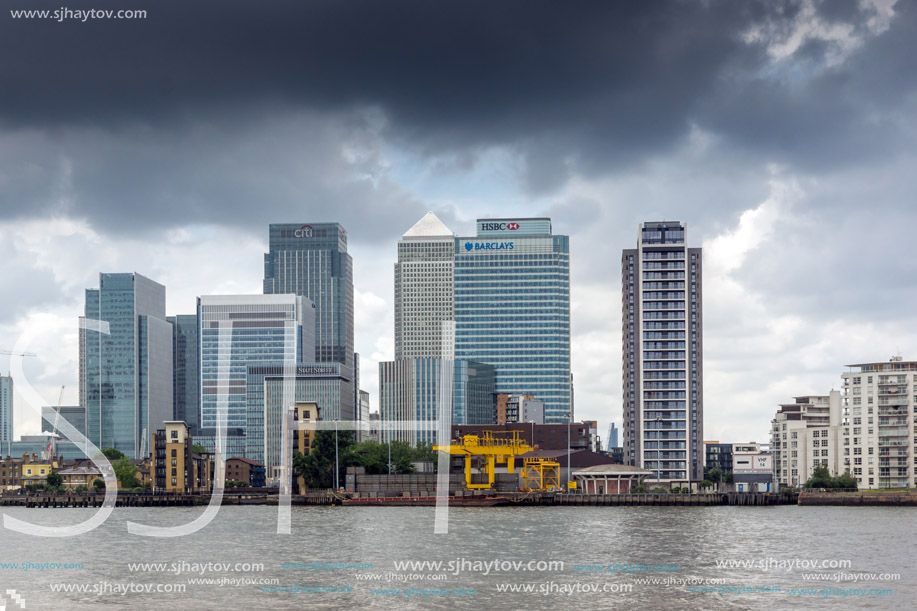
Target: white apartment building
{"x": 880, "y": 423}
{"x": 806, "y": 434}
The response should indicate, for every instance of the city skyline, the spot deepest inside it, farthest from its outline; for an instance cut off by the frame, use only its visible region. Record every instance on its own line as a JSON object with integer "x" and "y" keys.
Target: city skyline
{"x": 778, "y": 135}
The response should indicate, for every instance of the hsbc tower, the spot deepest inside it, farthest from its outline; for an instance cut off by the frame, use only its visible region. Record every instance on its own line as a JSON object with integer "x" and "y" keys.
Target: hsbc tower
{"x": 512, "y": 308}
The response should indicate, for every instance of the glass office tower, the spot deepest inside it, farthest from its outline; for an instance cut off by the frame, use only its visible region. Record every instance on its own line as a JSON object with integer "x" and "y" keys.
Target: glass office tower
{"x": 662, "y": 335}
{"x": 258, "y": 329}
{"x": 126, "y": 375}
{"x": 410, "y": 390}
{"x": 512, "y": 308}
{"x": 312, "y": 261}
{"x": 186, "y": 371}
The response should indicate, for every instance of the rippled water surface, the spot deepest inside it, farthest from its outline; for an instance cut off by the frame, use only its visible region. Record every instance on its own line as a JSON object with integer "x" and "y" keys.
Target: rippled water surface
{"x": 878, "y": 541}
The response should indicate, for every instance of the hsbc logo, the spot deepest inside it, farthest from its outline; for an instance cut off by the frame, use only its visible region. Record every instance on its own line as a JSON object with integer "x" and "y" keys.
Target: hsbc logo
{"x": 303, "y": 232}
{"x": 499, "y": 226}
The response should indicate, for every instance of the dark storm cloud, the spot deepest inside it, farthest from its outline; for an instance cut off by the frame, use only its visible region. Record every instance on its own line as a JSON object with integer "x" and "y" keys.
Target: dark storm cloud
{"x": 161, "y": 119}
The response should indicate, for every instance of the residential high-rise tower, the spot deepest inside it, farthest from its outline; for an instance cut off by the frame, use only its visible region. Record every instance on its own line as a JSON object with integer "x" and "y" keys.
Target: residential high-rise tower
{"x": 662, "y": 324}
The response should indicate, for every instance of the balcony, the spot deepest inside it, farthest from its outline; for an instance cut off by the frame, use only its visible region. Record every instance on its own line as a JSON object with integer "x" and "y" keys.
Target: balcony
{"x": 899, "y": 421}
{"x": 888, "y": 431}
{"x": 892, "y": 390}
{"x": 891, "y": 442}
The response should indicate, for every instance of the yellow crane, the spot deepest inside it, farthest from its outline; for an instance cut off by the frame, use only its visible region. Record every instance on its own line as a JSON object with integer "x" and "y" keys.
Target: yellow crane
{"x": 493, "y": 449}
{"x": 540, "y": 474}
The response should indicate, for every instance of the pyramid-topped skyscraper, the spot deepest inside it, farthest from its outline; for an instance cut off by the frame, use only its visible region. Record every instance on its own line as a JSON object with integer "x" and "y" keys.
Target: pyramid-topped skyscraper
{"x": 424, "y": 288}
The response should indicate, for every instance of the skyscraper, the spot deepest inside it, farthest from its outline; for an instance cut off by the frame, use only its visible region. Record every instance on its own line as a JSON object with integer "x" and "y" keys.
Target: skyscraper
{"x": 312, "y": 261}
{"x": 6, "y": 409}
{"x": 423, "y": 288}
{"x": 662, "y": 345}
{"x": 186, "y": 371}
{"x": 512, "y": 308}
{"x": 126, "y": 374}
{"x": 259, "y": 329}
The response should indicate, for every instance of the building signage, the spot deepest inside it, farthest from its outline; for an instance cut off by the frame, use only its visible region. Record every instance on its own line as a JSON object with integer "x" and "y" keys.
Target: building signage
{"x": 469, "y": 246}
{"x": 512, "y": 226}
{"x": 303, "y": 232}
{"x": 317, "y": 370}
{"x": 752, "y": 463}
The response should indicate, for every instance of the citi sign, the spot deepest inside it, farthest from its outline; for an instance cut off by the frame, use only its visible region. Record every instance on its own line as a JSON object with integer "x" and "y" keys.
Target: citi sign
{"x": 499, "y": 226}
{"x": 303, "y": 232}
{"x": 469, "y": 246}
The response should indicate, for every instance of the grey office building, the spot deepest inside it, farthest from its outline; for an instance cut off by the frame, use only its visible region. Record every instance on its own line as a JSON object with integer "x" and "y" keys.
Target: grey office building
{"x": 186, "y": 356}
{"x": 74, "y": 415}
{"x": 255, "y": 329}
{"x": 311, "y": 260}
{"x": 327, "y": 384}
{"x": 126, "y": 374}
{"x": 662, "y": 346}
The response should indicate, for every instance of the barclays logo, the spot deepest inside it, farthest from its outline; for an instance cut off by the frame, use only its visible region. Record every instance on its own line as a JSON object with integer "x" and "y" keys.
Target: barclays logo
{"x": 468, "y": 246}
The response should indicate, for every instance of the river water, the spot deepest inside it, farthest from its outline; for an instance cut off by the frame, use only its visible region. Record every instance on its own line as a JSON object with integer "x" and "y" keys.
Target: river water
{"x": 859, "y": 553}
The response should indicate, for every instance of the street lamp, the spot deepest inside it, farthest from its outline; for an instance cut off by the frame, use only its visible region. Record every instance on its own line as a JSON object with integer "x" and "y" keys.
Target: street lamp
{"x": 336, "y": 468}
{"x": 569, "y": 471}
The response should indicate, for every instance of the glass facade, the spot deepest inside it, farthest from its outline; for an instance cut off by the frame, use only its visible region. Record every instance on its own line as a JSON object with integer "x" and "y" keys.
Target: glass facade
{"x": 186, "y": 371}
{"x": 410, "y": 391}
{"x": 322, "y": 383}
{"x": 7, "y": 431}
{"x": 663, "y": 353}
{"x": 312, "y": 261}
{"x": 512, "y": 308}
{"x": 126, "y": 375}
{"x": 255, "y": 329}
{"x": 74, "y": 415}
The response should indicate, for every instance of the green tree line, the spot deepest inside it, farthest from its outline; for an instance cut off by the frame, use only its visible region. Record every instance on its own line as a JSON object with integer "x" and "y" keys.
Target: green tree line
{"x": 317, "y": 467}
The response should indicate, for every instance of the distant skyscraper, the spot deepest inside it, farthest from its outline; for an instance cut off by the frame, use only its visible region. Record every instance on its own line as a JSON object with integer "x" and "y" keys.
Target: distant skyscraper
{"x": 6, "y": 409}
{"x": 663, "y": 375}
{"x": 74, "y": 415}
{"x": 312, "y": 261}
{"x": 186, "y": 371}
{"x": 613, "y": 436}
{"x": 126, "y": 375}
{"x": 263, "y": 329}
{"x": 322, "y": 383}
{"x": 423, "y": 288}
{"x": 512, "y": 308}
{"x": 412, "y": 389}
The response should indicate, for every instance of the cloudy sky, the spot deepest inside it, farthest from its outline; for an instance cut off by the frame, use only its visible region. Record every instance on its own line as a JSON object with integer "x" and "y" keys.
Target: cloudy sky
{"x": 782, "y": 133}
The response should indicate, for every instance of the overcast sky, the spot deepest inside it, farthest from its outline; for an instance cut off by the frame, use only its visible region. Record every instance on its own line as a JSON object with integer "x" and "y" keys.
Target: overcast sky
{"x": 782, "y": 133}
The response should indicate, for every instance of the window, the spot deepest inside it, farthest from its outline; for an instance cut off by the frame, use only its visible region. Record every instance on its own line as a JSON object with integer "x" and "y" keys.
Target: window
{"x": 174, "y": 434}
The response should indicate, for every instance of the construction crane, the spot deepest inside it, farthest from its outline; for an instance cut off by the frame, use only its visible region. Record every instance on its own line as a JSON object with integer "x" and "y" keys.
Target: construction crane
{"x": 10, "y": 352}
{"x": 493, "y": 449}
{"x": 540, "y": 474}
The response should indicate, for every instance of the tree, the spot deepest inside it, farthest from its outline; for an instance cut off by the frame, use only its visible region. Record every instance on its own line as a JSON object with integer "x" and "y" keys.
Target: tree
{"x": 98, "y": 484}
{"x": 54, "y": 480}
{"x": 198, "y": 449}
{"x": 714, "y": 475}
{"x": 126, "y": 473}
{"x": 706, "y": 484}
{"x": 113, "y": 454}
{"x": 80, "y": 489}
{"x": 822, "y": 478}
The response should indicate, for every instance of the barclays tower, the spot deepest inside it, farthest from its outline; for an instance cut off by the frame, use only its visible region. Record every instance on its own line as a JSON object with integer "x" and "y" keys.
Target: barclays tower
{"x": 512, "y": 308}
